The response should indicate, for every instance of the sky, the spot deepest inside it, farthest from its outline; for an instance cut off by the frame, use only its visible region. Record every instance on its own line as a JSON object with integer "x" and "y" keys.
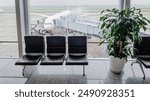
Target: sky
{"x": 74, "y": 2}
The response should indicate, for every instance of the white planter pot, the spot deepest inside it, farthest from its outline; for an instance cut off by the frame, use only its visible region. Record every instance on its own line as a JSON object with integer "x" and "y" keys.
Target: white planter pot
{"x": 116, "y": 64}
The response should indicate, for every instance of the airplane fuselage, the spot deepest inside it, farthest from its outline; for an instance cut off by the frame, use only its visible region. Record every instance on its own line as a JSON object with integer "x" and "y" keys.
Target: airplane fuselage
{"x": 49, "y": 21}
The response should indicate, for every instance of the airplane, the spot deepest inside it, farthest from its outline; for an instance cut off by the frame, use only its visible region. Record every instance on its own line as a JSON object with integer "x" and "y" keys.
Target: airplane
{"x": 49, "y": 21}
{"x": 75, "y": 23}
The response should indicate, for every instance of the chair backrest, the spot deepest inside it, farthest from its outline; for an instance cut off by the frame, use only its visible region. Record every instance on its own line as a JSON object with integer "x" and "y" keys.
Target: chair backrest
{"x": 77, "y": 44}
{"x": 142, "y": 48}
{"x": 34, "y": 44}
{"x": 56, "y": 44}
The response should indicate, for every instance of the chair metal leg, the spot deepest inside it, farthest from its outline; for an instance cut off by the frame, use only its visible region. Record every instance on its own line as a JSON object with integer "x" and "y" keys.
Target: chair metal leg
{"x": 23, "y": 71}
{"x": 140, "y": 67}
{"x": 83, "y": 70}
{"x": 142, "y": 70}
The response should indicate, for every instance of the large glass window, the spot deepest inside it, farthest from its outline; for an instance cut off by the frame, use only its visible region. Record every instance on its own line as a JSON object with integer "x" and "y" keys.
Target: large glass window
{"x": 8, "y": 32}
{"x": 83, "y": 19}
{"x": 144, "y": 5}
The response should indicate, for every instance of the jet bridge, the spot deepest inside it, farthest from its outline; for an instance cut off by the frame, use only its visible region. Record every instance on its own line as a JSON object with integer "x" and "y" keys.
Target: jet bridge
{"x": 79, "y": 25}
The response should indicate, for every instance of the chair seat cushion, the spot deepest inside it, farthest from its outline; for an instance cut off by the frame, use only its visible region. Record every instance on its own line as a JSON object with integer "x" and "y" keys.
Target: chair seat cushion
{"x": 77, "y": 59}
{"x": 53, "y": 59}
{"x": 145, "y": 60}
{"x": 29, "y": 60}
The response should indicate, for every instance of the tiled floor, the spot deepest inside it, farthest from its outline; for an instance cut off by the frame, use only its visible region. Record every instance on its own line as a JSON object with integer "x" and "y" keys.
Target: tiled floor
{"x": 97, "y": 72}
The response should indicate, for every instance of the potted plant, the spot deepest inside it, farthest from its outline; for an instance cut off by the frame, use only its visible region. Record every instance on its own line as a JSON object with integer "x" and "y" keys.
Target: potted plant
{"x": 120, "y": 29}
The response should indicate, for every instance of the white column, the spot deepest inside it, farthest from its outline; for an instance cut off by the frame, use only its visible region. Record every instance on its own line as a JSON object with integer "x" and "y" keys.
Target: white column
{"x": 127, "y": 4}
{"x": 121, "y": 4}
{"x": 22, "y": 21}
{"x": 27, "y": 17}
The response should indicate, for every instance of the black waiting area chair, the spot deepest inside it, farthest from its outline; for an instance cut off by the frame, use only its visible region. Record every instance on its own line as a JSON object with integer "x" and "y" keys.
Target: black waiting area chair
{"x": 34, "y": 50}
{"x": 56, "y": 51}
{"x": 142, "y": 53}
{"x": 77, "y": 51}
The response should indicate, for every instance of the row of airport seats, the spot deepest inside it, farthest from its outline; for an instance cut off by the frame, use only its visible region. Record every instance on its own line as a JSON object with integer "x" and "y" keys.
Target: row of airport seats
{"x": 56, "y": 51}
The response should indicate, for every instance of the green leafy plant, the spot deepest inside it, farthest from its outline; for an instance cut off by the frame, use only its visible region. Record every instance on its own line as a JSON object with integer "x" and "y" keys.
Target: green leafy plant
{"x": 120, "y": 29}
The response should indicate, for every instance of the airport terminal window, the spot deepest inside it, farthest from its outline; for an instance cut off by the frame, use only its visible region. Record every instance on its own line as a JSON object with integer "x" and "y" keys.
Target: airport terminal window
{"x": 8, "y": 30}
{"x": 82, "y": 11}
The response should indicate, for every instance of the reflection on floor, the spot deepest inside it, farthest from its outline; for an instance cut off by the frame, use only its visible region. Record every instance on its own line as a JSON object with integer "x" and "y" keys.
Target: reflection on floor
{"x": 97, "y": 72}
